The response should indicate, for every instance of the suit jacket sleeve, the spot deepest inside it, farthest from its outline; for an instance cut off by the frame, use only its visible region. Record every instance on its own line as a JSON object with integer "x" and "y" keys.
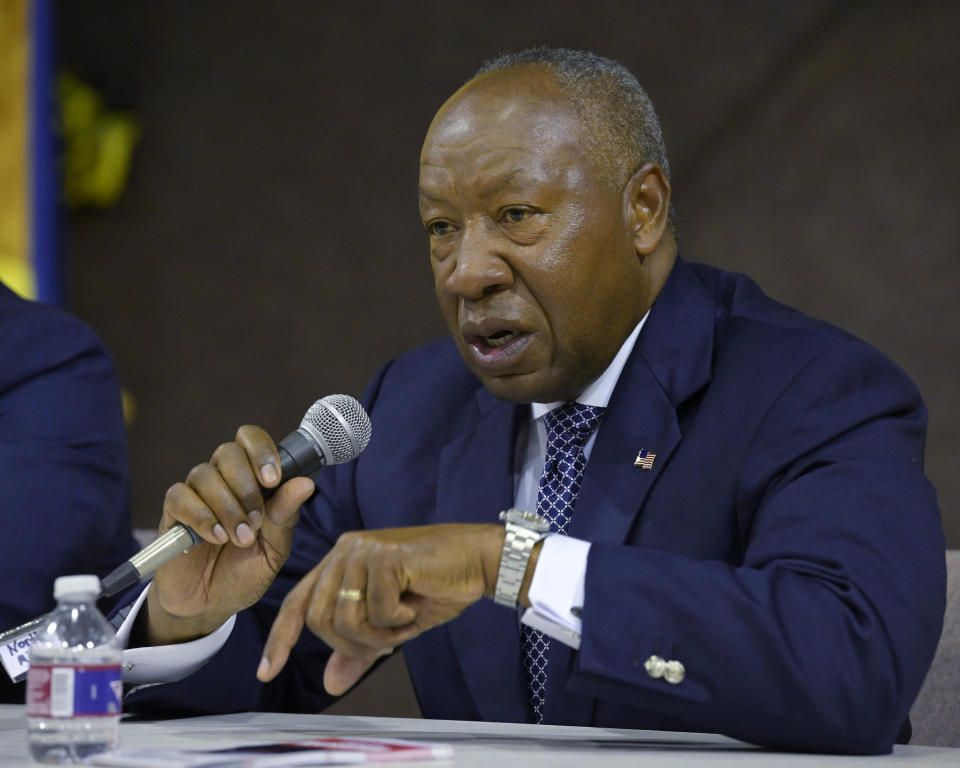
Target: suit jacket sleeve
{"x": 819, "y": 639}
{"x": 63, "y": 449}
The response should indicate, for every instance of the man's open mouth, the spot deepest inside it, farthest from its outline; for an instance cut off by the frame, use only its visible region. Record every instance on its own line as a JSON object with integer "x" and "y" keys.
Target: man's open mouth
{"x": 498, "y": 348}
{"x": 500, "y": 339}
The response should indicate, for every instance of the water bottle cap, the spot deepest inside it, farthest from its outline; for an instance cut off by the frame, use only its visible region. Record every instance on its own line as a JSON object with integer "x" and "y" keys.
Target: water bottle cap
{"x": 76, "y": 586}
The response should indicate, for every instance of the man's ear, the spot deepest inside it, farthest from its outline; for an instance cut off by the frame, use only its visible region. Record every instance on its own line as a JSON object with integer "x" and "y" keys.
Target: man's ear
{"x": 647, "y": 197}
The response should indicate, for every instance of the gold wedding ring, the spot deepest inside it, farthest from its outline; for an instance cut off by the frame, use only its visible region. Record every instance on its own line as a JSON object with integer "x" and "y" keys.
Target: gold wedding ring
{"x": 350, "y": 594}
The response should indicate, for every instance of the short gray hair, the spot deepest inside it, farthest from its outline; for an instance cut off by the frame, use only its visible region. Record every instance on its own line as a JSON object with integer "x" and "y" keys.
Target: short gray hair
{"x": 622, "y": 130}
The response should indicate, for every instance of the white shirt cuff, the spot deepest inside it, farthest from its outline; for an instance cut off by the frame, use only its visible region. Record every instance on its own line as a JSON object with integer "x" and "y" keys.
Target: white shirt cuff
{"x": 557, "y": 587}
{"x": 166, "y": 663}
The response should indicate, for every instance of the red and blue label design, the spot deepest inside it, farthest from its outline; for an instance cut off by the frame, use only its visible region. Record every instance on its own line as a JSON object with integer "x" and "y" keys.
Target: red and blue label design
{"x": 55, "y": 690}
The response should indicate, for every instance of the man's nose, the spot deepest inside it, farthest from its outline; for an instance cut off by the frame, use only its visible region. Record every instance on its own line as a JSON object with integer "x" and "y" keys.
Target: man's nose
{"x": 481, "y": 264}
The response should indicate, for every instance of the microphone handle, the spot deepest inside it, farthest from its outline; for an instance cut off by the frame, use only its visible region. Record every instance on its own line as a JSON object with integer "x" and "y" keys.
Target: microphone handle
{"x": 179, "y": 539}
{"x": 298, "y": 456}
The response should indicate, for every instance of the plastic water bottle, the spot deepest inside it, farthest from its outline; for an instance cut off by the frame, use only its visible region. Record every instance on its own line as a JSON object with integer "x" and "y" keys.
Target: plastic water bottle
{"x": 74, "y": 686}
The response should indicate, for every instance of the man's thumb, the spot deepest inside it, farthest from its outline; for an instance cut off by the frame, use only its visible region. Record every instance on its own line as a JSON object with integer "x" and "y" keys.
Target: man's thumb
{"x": 283, "y": 509}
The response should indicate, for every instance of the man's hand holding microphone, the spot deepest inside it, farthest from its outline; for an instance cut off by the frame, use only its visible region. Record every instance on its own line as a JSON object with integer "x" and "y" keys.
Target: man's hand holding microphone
{"x": 373, "y": 591}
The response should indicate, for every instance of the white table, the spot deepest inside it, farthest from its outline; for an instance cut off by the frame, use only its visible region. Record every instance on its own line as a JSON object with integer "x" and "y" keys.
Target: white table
{"x": 477, "y": 745}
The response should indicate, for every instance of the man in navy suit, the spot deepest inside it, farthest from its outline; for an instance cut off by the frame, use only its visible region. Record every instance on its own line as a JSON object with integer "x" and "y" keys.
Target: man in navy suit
{"x": 64, "y": 452}
{"x": 749, "y": 545}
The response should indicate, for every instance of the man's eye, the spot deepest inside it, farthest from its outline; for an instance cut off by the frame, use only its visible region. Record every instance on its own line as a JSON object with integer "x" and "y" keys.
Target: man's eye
{"x": 515, "y": 215}
{"x": 439, "y": 228}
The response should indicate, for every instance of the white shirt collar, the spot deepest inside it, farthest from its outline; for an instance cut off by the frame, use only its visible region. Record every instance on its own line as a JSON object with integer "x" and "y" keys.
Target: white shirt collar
{"x": 598, "y": 392}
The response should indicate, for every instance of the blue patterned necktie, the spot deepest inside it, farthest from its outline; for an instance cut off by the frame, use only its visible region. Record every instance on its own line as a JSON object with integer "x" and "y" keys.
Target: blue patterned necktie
{"x": 568, "y": 428}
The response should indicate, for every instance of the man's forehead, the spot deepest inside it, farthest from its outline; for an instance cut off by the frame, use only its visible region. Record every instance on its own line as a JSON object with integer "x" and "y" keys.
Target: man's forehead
{"x": 498, "y": 170}
{"x": 517, "y": 102}
{"x": 502, "y": 130}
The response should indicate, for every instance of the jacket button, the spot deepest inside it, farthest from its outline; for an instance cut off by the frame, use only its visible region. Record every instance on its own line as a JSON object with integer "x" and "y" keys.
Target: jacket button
{"x": 673, "y": 672}
{"x": 655, "y": 666}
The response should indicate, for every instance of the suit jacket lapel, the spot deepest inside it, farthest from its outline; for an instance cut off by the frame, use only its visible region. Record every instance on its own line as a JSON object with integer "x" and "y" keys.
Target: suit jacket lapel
{"x": 475, "y": 482}
{"x": 670, "y": 362}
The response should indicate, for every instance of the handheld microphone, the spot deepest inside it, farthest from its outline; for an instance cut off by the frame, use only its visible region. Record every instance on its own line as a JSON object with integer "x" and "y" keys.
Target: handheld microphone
{"x": 334, "y": 430}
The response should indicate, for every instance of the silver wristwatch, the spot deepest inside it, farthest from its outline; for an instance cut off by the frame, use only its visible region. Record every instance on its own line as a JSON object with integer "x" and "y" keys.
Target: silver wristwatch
{"x": 524, "y": 529}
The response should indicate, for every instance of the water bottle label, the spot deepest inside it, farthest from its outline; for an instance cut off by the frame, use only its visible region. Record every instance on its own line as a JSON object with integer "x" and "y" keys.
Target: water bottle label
{"x": 73, "y": 691}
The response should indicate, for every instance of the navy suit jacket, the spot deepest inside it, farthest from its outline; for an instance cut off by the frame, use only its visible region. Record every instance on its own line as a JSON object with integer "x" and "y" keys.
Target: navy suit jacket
{"x": 63, "y": 487}
{"x": 785, "y": 546}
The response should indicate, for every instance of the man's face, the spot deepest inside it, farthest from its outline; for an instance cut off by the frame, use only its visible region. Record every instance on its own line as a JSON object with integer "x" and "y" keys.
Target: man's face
{"x": 533, "y": 256}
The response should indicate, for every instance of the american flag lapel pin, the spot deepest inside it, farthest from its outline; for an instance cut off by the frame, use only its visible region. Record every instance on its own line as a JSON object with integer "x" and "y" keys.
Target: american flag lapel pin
{"x": 644, "y": 459}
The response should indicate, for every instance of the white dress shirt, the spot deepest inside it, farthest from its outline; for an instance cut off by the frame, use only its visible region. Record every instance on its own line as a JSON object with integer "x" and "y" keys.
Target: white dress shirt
{"x": 557, "y": 584}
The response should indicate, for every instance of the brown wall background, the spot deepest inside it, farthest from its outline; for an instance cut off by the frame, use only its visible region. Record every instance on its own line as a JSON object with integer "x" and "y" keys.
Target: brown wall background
{"x": 268, "y": 249}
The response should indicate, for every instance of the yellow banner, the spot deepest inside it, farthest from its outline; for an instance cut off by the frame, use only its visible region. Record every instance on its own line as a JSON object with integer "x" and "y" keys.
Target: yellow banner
{"x": 15, "y": 268}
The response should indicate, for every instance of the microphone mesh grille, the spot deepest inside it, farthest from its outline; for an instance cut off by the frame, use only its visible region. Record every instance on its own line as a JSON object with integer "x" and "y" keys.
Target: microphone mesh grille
{"x": 343, "y": 423}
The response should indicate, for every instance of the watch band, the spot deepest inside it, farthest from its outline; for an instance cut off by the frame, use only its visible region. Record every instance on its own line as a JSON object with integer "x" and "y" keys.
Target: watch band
{"x": 523, "y": 530}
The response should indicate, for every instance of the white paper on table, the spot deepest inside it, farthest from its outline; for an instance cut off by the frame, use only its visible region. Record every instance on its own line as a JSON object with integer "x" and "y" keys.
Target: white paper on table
{"x": 329, "y": 751}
